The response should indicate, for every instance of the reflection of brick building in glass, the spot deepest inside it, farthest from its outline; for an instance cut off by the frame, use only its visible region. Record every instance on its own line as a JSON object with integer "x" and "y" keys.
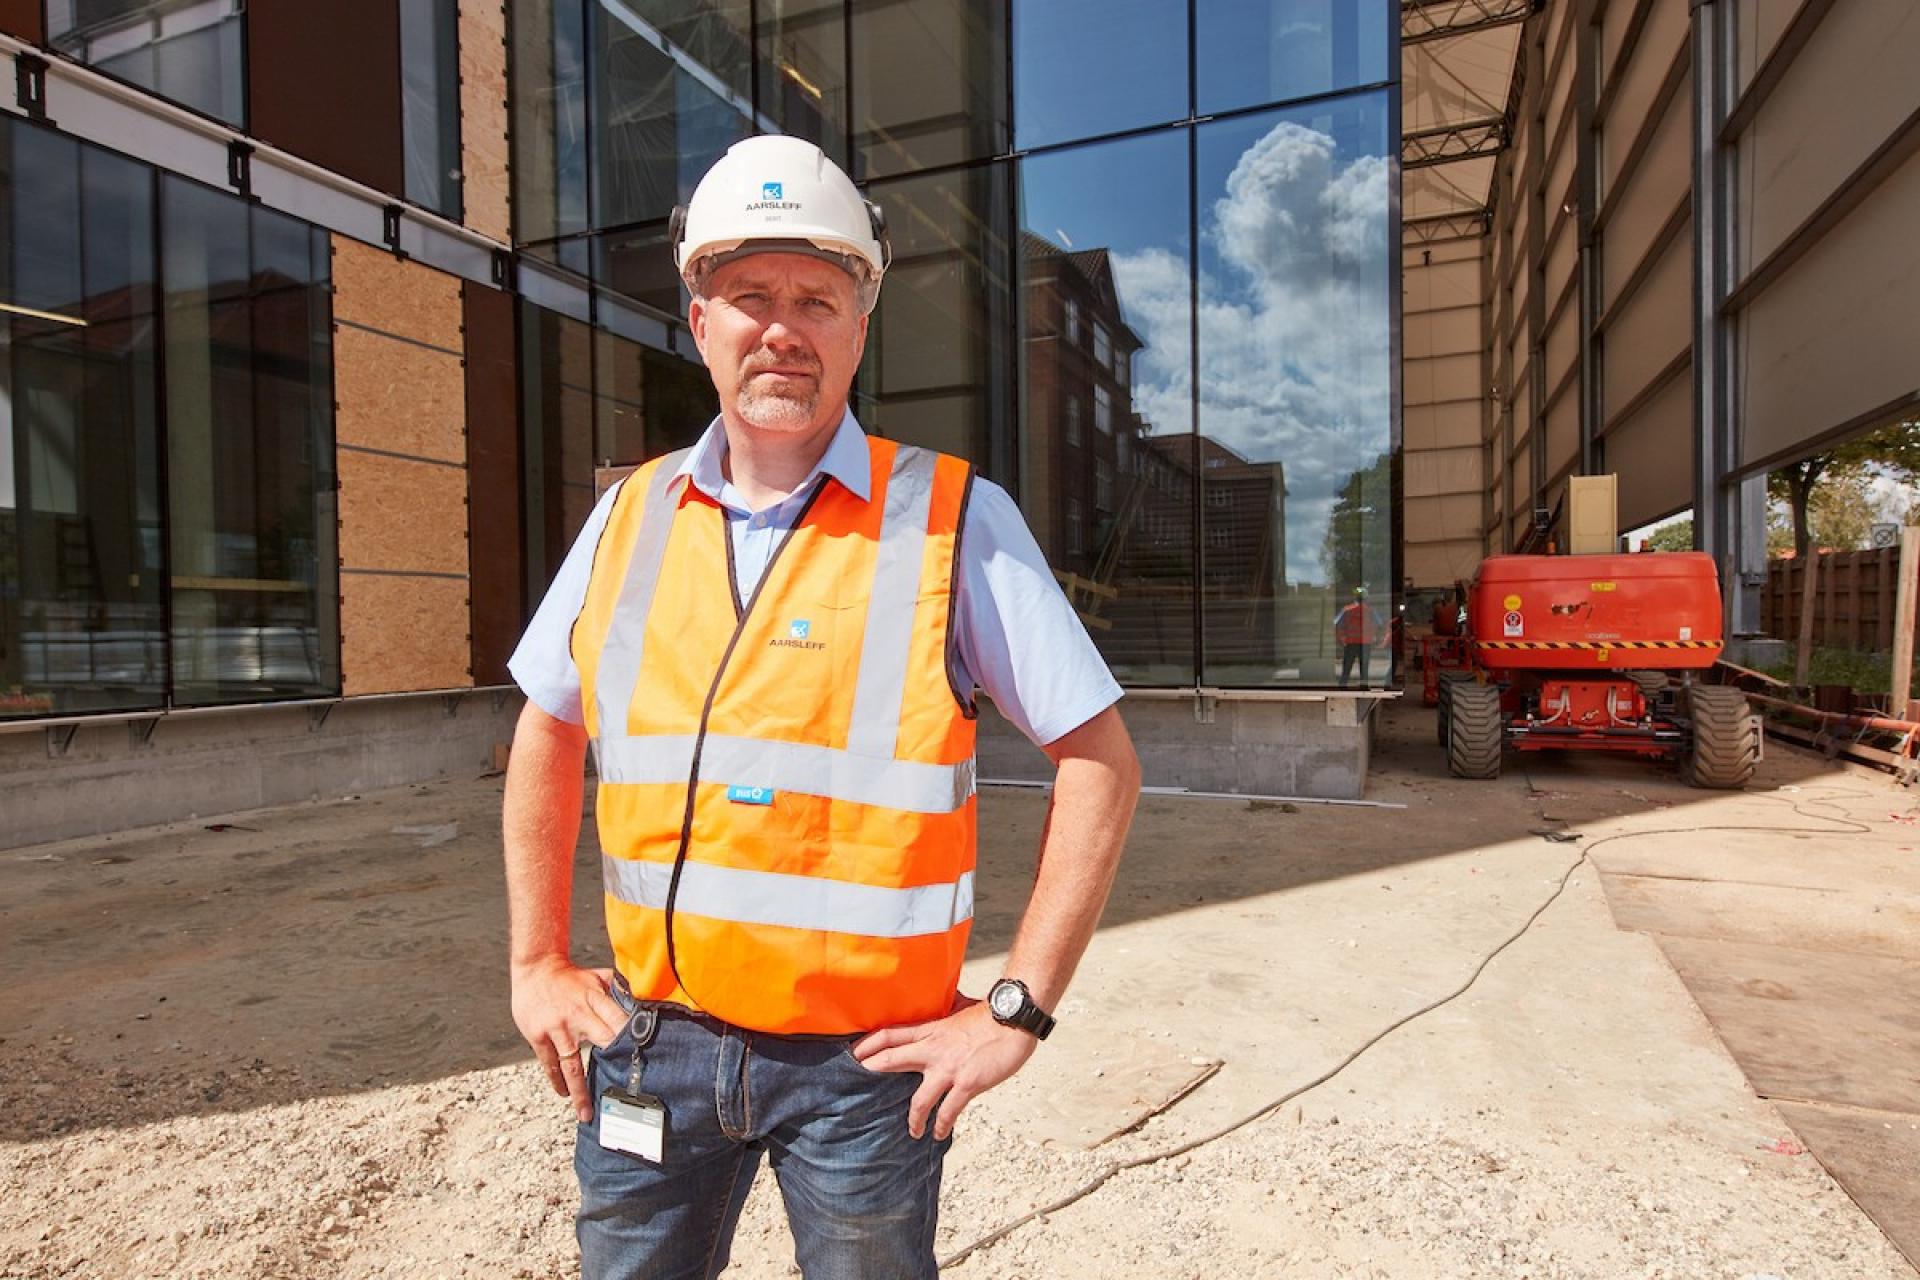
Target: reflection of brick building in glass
{"x": 1113, "y": 504}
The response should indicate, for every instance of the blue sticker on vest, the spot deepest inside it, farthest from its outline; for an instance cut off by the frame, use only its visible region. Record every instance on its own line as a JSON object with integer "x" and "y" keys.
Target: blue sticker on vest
{"x": 750, "y": 795}
{"x": 799, "y": 629}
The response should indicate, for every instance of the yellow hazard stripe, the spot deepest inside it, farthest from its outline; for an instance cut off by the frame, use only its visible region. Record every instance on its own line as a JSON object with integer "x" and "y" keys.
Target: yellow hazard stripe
{"x": 1598, "y": 644}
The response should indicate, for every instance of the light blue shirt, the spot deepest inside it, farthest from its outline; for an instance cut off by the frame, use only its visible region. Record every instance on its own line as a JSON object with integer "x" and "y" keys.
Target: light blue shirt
{"x": 1017, "y": 637}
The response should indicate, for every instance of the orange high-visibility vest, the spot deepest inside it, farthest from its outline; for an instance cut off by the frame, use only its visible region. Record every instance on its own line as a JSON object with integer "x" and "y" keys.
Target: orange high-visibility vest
{"x": 786, "y": 797}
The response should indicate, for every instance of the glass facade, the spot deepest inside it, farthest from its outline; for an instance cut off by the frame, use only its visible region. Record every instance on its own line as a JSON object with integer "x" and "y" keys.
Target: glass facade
{"x": 166, "y": 490}
{"x": 1143, "y": 276}
{"x": 188, "y": 51}
{"x": 430, "y": 103}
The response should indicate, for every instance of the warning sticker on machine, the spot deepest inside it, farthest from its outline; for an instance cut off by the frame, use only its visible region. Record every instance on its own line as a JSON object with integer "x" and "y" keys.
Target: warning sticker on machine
{"x": 1510, "y": 603}
{"x": 1514, "y": 624}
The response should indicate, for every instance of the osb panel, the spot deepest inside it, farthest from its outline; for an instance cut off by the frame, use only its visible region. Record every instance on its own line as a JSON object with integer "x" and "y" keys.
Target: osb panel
{"x": 402, "y": 633}
{"x": 483, "y": 115}
{"x": 374, "y": 289}
{"x": 398, "y": 397}
{"x": 403, "y": 516}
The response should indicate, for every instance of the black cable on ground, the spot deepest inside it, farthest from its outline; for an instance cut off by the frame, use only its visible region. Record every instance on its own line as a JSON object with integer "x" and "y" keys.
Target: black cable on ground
{"x": 1844, "y": 826}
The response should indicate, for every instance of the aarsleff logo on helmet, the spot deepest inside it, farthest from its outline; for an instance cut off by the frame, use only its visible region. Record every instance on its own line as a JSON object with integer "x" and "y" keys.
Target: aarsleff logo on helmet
{"x": 772, "y": 196}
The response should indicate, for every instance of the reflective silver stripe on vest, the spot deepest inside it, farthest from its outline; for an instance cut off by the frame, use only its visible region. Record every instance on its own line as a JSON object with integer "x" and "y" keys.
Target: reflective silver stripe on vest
{"x": 794, "y": 902}
{"x": 620, "y": 654}
{"x": 789, "y": 766}
{"x": 881, "y": 691}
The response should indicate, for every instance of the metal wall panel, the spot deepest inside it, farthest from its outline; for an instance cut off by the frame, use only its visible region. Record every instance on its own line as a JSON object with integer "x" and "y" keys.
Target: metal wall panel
{"x": 495, "y": 534}
{"x": 1652, "y": 455}
{"x": 329, "y": 91}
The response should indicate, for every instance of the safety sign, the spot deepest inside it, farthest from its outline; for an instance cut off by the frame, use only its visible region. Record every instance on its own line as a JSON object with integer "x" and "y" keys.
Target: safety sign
{"x": 1514, "y": 624}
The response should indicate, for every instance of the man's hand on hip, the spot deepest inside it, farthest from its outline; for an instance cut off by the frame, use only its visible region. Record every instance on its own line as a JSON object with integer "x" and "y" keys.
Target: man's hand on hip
{"x": 961, "y": 1056}
{"x": 558, "y": 1007}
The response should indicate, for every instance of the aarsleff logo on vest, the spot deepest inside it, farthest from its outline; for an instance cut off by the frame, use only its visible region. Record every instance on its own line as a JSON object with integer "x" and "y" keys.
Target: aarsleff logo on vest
{"x": 797, "y": 635}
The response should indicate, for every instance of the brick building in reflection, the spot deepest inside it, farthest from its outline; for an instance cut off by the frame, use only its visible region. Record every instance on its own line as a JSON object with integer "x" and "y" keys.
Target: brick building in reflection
{"x": 1114, "y": 505}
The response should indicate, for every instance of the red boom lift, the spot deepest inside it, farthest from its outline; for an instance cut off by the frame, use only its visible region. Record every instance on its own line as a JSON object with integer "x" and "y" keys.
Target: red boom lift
{"x": 1597, "y": 653}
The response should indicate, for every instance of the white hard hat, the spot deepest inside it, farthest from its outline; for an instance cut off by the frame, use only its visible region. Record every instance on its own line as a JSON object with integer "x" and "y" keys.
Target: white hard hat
{"x": 775, "y": 194}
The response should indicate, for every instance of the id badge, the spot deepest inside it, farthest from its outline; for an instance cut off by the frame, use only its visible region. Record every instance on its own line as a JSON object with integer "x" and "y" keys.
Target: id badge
{"x": 633, "y": 1123}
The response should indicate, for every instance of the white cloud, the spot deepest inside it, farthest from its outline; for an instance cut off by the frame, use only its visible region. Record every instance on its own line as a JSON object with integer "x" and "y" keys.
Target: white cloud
{"x": 1294, "y": 343}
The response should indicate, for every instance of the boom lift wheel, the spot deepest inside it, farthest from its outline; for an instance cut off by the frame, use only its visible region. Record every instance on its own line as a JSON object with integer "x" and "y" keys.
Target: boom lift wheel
{"x": 1652, "y": 683}
{"x": 1726, "y": 740}
{"x": 1448, "y": 679}
{"x": 1474, "y": 731}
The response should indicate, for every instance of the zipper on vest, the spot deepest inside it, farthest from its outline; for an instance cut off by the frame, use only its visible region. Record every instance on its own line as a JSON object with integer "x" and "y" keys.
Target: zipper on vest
{"x": 741, "y": 614}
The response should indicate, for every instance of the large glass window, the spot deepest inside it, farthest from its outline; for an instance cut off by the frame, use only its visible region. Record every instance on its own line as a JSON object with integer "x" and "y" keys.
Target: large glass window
{"x": 1296, "y": 387}
{"x": 938, "y": 370}
{"x": 929, "y": 84}
{"x": 1125, "y": 266}
{"x": 249, "y": 401}
{"x": 430, "y": 102}
{"x": 803, "y": 71}
{"x": 1082, "y": 68}
{"x": 1251, "y": 52}
{"x": 659, "y": 121}
{"x": 549, "y": 119}
{"x": 189, "y": 51}
{"x": 81, "y": 579}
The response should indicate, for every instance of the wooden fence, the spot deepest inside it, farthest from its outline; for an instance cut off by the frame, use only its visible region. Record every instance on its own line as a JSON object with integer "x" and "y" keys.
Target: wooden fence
{"x": 1853, "y": 600}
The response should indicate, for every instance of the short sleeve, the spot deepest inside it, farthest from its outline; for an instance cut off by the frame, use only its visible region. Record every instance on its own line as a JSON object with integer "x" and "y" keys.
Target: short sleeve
{"x": 1018, "y": 637}
{"x": 542, "y": 663}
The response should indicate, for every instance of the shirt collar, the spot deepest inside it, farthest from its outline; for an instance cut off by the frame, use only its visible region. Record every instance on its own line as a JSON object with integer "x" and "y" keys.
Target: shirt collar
{"x": 846, "y": 460}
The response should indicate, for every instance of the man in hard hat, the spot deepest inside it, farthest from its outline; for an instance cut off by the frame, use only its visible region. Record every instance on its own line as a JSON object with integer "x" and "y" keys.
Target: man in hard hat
{"x": 1356, "y": 629}
{"x": 773, "y": 642}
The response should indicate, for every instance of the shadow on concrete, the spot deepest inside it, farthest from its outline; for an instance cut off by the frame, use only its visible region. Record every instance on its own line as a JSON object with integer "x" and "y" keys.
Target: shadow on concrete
{"x": 320, "y": 950}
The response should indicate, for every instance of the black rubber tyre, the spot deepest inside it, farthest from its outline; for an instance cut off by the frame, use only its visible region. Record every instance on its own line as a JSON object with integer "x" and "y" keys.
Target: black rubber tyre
{"x": 1652, "y": 683}
{"x": 1474, "y": 731}
{"x": 1446, "y": 681}
{"x": 1726, "y": 739}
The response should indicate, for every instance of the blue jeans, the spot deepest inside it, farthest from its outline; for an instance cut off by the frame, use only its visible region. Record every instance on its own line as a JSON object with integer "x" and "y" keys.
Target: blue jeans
{"x": 861, "y": 1194}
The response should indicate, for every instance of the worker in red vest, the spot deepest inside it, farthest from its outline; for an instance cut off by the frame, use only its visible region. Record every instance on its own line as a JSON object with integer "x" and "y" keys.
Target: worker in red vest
{"x": 772, "y": 642}
{"x": 1356, "y": 629}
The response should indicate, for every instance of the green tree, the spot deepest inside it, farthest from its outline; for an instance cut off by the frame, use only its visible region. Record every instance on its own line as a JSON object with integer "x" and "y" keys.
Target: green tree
{"x": 1892, "y": 450}
{"x": 1357, "y": 550}
{"x": 1675, "y": 535}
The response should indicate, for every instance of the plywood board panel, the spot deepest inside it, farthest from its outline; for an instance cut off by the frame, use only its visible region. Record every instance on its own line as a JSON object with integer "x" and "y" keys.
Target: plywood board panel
{"x": 22, "y": 18}
{"x": 1842, "y": 97}
{"x": 1829, "y": 1025}
{"x": 1747, "y": 911}
{"x": 483, "y": 116}
{"x": 398, "y": 396}
{"x": 1834, "y": 337}
{"x": 400, "y": 633}
{"x": 398, "y": 515}
{"x": 375, "y": 290}
{"x": 329, "y": 91}
{"x": 1650, "y": 328}
{"x": 1875, "y": 1156}
{"x": 1652, "y": 453}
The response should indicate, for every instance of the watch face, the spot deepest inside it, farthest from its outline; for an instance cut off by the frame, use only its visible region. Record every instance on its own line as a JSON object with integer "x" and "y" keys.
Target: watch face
{"x": 1006, "y": 1000}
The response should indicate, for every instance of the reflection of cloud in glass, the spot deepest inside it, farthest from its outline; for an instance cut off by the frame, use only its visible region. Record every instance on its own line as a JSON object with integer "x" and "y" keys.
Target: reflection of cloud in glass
{"x": 1293, "y": 323}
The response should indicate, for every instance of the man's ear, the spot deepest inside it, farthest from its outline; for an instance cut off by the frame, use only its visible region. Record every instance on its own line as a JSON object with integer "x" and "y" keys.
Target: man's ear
{"x": 697, "y": 322}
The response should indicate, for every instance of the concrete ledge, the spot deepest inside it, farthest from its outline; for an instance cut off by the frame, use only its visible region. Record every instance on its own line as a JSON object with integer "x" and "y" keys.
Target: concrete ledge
{"x": 1309, "y": 745}
{"x": 115, "y": 775}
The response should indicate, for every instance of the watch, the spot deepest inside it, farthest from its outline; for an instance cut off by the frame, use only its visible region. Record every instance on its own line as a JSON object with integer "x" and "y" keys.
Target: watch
{"x": 1011, "y": 1005}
